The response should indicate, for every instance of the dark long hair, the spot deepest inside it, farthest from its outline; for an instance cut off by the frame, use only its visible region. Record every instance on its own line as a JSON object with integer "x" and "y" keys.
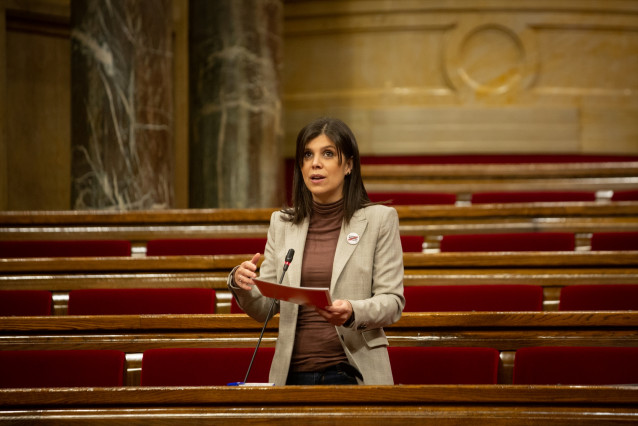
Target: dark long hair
{"x": 354, "y": 193}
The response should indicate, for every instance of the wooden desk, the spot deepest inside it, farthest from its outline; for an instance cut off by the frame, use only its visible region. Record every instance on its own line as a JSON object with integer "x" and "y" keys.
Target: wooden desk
{"x": 352, "y": 405}
{"x": 505, "y": 331}
{"x": 428, "y": 221}
{"x": 465, "y": 179}
{"x": 552, "y": 270}
{"x": 582, "y": 219}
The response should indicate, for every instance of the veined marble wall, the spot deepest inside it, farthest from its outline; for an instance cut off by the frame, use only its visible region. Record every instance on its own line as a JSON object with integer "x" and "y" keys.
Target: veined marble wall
{"x": 235, "y": 108}
{"x": 122, "y": 105}
{"x": 466, "y": 76}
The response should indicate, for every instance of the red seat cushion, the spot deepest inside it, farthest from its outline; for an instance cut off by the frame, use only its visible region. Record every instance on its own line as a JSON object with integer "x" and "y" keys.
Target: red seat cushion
{"x": 138, "y": 301}
{"x": 412, "y": 198}
{"x": 205, "y": 246}
{"x": 629, "y": 195}
{"x": 447, "y": 298}
{"x": 607, "y": 297}
{"x": 531, "y": 241}
{"x": 204, "y": 366}
{"x": 412, "y": 243}
{"x": 442, "y": 365}
{"x": 66, "y": 368}
{"x": 25, "y": 302}
{"x": 97, "y": 248}
{"x": 575, "y": 366}
{"x": 531, "y": 197}
{"x": 614, "y": 241}
{"x": 234, "y": 307}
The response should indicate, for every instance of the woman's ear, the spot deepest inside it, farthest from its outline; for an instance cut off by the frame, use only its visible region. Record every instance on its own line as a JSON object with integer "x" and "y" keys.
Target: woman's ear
{"x": 349, "y": 166}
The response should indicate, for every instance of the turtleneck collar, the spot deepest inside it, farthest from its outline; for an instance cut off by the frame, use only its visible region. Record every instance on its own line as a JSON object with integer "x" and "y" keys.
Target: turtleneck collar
{"x": 327, "y": 209}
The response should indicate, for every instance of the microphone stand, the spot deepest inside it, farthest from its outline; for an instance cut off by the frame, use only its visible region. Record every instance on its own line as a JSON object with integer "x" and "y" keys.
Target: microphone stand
{"x": 272, "y": 305}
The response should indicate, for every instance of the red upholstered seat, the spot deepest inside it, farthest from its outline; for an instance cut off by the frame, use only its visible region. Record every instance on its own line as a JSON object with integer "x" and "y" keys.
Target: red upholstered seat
{"x": 614, "y": 241}
{"x": 25, "y": 302}
{"x": 531, "y": 241}
{"x": 447, "y": 298}
{"x": 234, "y": 307}
{"x": 604, "y": 297}
{"x": 532, "y": 197}
{"x": 205, "y": 246}
{"x": 138, "y": 301}
{"x": 204, "y": 366}
{"x": 629, "y": 195}
{"x": 576, "y": 366}
{"x": 65, "y": 368}
{"x": 442, "y": 365}
{"x": 412, "y": 243}
{"x": 76, "y": 248}
{"x": 412, "y": 198}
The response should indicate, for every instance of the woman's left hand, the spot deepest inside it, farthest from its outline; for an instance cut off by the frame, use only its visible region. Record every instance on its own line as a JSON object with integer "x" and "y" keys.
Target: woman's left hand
{"x": 337, "y": 313}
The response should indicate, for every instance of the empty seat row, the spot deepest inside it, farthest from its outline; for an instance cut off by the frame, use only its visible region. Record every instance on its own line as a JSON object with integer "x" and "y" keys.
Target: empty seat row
{"x": 106, "y": 368}
{"x": 536, "y": 241}
{"x": 64, "y": 248}
{"x": 450, "y": 298}
{"x": 531, "y": 241}
{"x": 512, "y": 298}
{"x": 553, "y": 365}
{"x": 160, "y": 247}
{"x": 490, "y": 242}
{"x": 503, "y": 297}
{"x": 64, "y": 368}
{"x": 444, "y": 198}
{"x": 112, "y": 301}
{"x": 479, "y": 159}
{"x": 110, "y": 248}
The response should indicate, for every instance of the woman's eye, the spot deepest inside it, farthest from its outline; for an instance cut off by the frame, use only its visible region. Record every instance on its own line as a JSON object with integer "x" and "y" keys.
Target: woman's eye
{"x": 307, "y": 154}
{"x": 329, "y": 154}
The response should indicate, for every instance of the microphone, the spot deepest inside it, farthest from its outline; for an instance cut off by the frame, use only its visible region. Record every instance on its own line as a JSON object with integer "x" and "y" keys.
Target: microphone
{"x": 289, "y": 256}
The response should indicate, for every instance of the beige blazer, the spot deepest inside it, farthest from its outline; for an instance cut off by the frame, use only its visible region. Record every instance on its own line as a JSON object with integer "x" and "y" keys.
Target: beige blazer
{"x": 369, "y": 274}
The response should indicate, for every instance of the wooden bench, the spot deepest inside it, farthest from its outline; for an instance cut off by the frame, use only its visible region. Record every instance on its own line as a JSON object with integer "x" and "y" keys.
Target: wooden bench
{"x": 429, "y": 221}
{"x": 582, "y": 219}
{"x": 465, "y": 179}
{"x": 504, "y": 331}
{"x": 552, "y": 270}
{"x": 352, "y": 405}
{"x": 61, "y": 275}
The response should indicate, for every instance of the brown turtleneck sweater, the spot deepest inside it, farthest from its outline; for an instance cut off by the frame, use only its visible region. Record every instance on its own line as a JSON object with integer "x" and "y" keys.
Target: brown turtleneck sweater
{"x": 317, "y": 344}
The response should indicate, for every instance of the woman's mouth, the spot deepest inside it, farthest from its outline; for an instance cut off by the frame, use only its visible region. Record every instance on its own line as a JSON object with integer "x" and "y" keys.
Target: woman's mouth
{"x": 316, "y": 178}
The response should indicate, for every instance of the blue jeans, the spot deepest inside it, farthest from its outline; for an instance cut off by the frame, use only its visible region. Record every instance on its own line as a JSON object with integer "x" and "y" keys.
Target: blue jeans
{"x": 335, "y": 375}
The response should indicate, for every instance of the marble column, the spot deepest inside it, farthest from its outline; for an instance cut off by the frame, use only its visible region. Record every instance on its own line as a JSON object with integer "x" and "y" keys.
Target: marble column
{"x": 122, "y": 106}
{"x": 235, "y": 103}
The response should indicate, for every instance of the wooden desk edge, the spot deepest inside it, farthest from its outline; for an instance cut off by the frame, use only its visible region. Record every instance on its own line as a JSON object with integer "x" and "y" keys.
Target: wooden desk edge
{"x": 428, "y": 320}
{"x": 620, "y": 395}
{"x": 227, "y": 262}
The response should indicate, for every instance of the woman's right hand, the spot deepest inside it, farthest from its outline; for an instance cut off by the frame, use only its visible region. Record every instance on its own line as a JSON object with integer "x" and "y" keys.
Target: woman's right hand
{"x": 246, "y": 272}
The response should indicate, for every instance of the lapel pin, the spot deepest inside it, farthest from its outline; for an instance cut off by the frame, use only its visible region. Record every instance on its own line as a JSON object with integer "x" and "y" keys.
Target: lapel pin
{"x": 353, "y": 238}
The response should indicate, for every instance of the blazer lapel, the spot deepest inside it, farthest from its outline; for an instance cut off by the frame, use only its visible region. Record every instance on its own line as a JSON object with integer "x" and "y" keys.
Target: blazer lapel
{"x": 296, "y": 239}
{"x": 344, "y": 250}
